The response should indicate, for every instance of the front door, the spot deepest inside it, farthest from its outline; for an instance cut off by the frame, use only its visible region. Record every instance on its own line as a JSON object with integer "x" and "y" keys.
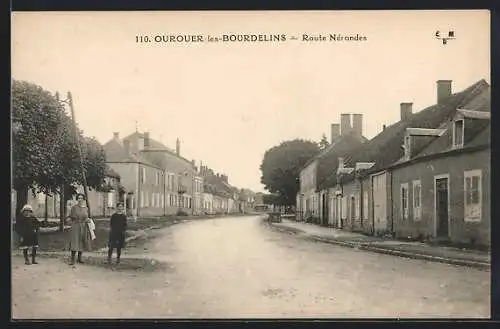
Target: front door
{"x": 379, "y": 197}
{"x": 442, "y": 207}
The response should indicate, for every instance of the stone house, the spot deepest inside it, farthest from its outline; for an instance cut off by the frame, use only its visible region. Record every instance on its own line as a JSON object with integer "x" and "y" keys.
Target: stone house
{"x": 442, "y": 192}
{"x": 366, "y": 190}
{"x": 313, "y": 192}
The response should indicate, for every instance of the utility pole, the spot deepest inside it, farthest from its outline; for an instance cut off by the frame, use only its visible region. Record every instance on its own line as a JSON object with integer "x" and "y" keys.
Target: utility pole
{"x": 77, "y": 139}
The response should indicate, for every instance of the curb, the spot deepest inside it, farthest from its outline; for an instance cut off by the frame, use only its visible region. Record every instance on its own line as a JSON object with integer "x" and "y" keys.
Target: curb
{"x": 399, "y": 253}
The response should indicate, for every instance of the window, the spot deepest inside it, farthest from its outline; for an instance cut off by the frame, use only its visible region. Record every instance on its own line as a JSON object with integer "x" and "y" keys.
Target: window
{"x": 458, "y": 133}
{"x": 357, "y": 205}
{"x": 157, "y": 178}
{"x": 472, "y": 196}
{"x": 41, "y": 198}
{"x": 417, "y": 199}
{"x": 365, "y": 205}
{"x": 404, "y": 201}
{"x": 146, "y": 200}
{"x": 162, "y": 198}
{"x": 407, "y": 147}
{"x": 143, "y": 175}
{"x": 142, "y": 199}
{"x": 111, "y": 200}
{"x": 158, "y": 200}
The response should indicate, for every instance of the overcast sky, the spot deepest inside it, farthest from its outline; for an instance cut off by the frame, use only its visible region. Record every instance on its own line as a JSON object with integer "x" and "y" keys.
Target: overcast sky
{"x": 230, "y": 102}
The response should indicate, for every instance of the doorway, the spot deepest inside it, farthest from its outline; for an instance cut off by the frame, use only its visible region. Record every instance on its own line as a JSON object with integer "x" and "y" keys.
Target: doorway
{"x": 441, "y": 188}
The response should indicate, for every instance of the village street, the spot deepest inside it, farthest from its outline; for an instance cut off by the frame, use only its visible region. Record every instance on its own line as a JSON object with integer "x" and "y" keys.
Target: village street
{"x": 239, "y": 267}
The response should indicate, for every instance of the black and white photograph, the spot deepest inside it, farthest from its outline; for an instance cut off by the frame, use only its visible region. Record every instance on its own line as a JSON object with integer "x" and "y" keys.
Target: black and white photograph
{"x": 250, "y": 164}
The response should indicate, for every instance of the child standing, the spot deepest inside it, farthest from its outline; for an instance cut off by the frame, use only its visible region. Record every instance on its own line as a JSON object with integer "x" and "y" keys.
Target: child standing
{"x": 27, "y": 226}
{"x": 118, "y": 226}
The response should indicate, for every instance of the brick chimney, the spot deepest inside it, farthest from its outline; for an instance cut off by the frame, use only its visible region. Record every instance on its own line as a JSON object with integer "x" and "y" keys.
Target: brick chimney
{"x": 116, "y": 136}
{"x": 178, "y": 147}
{"x": 383, "y": 127}
{"x": 406, "y": 110}
{"x": 345, "y": 123}
{"x": 334, "y": 131}
{"x": 357, "y": 124}
{"x": 443, "y": 90}
{"x": 146, "y": 140}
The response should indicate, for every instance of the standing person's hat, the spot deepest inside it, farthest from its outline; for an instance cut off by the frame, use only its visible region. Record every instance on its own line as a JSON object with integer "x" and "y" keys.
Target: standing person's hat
{"x": 27, "y": 207}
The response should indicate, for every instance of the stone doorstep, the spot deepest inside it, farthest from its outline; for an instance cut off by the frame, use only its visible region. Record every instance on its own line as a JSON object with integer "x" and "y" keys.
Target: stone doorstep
{"x": 369, "y": 246}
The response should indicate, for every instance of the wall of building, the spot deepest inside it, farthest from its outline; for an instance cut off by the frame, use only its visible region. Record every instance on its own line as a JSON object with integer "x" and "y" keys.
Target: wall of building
{"x": 459, "y": 230}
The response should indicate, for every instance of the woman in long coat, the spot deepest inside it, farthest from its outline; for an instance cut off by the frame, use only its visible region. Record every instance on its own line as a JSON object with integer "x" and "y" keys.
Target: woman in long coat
{"x": 80, "y": 238}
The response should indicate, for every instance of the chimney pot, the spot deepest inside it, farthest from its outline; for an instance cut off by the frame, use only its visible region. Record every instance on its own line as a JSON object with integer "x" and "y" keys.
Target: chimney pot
{"x": 383, "y": 127}
{"x": 335, "y": 131}
{"x": 406, "y": 110}
{"x": 345, "y": 123}
{"x": 443, "y": 90}
{"x": 178, "y": 147}
{"x": 357, "y": 124}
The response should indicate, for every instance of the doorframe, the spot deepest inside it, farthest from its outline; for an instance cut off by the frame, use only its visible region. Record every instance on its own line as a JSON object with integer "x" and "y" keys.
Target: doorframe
{"x": 436, "y": 177}
{"x": 372, "y": 192}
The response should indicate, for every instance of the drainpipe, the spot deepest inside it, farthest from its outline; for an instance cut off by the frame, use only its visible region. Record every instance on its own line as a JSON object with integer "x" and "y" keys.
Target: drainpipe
{"x": 164, "y": 194}
{"x": 137, "y": 188}
{"x": 391, "y": 203}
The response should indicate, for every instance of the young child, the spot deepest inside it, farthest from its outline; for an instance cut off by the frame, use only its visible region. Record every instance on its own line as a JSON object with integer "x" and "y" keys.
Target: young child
{"x": 118, "y": 226}
{"x": 27, "y": 226}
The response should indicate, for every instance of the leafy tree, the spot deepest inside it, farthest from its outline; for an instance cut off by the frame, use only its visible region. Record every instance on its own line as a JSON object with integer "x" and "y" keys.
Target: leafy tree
{"x": 281, "y": 168}
{"x": 45, "y": 152}
{"x": 323, "y": 143}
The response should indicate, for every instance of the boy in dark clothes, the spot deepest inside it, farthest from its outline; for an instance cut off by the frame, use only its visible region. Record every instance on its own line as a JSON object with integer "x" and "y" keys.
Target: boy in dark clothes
{"x": 27, "y": 226}
{"x": 118, "y": 226}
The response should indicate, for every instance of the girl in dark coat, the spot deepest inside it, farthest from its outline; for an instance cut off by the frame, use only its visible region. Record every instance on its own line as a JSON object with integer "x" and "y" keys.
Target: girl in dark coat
{"x": 27, "y": 226}
{"x": 118, "y": 226}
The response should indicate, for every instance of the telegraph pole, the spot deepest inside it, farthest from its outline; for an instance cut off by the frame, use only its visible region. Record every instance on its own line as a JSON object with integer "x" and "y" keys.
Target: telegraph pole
{"x": 77, "y": 139}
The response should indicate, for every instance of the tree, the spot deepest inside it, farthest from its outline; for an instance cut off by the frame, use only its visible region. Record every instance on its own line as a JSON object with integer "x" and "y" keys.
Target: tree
{"x": 281, "y": 168}
{"x": 45, "y": 152}
{"x": 323, "y": 143}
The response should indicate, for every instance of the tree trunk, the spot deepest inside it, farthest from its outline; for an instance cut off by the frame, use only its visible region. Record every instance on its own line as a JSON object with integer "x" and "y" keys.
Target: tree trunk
{"x": 46, "y": 215}
{"x": 62, "y": 209}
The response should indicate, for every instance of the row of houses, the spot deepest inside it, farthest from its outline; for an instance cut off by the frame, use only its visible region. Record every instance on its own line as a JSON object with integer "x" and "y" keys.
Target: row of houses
{"x": 154, "y": 180}
{"x": 424, "y": 177}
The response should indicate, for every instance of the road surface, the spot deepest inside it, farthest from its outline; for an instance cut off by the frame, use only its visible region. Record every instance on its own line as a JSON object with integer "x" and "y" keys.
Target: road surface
{"x": 240, "y": 268}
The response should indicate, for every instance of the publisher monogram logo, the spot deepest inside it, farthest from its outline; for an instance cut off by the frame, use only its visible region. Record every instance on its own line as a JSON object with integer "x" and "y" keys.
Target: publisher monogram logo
{"x": 444, "y": 37}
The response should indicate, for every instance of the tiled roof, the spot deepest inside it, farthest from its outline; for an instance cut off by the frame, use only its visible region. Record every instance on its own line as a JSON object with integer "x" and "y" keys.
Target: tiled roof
{"x": 478, "y": 130}
{"x": 115, "y": 152}
{"x": 328, "y": 161}
{"x": 385, "y": 148}
{"x": 218, "y": 186}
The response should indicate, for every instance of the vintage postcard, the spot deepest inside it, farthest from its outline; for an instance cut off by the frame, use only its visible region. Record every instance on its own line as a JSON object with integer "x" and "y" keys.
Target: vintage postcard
{"x": 251, "y": 164}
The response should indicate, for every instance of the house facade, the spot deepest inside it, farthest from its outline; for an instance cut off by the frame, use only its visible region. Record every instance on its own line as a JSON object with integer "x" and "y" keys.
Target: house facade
{"x": 443, "y": 193}
{"x": 102, "y": 202}
{"x": 377, "y": 198}
{"x": 320, "y": 177}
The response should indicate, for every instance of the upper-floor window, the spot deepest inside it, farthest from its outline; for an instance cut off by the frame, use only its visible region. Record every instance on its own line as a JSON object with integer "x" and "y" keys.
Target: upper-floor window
{"x": 406, "y": 147}
{"x": 458, "y": 133}
{"x": 472, "y": 195}
{"x": 158, "y": 176}
{"x": 143, "y": 175}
